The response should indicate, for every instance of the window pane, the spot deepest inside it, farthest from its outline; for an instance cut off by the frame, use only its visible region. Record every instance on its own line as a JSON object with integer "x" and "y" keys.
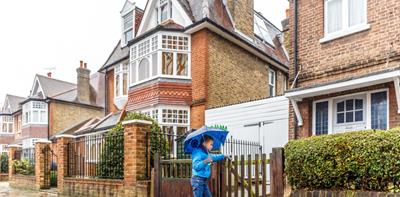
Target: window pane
{"x": 10, "y": 127}
{"x": 183, "y": 60}
{"x": 155, "y": 64}
{"x": 340, "y": 118}
{"x": 359, "y": 104}
{"x": 164, "y": 12}
{"x": 349, "y": 105}
{"x": 379, "y": 110}
{"x": 117, "y": 85}
{"x": 144, "y": 69}
{"x": 167, "y": 63}
{"x": 43, "y": 117}
{"x": 359, "y": 116}
{"x": 349, "y": 117}
{"x": 340, "y": 106}
{"x": 133, "y": 72}
{"x": 271, "y": 90}
{"x": 125, "y": 84}
{"x": 321, "y": 118}
{"x": 128, "y": 36}
{"x": 357, "y": 12}
{"x": 128, "y": 21}
{"x": 334, "y": 16}
{"x": 35, "y": 116}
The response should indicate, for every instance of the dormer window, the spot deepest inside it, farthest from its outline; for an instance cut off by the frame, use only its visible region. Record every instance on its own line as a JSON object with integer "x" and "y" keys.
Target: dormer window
{"x": 128, "y": 27}
{"x": 164, "y": 10}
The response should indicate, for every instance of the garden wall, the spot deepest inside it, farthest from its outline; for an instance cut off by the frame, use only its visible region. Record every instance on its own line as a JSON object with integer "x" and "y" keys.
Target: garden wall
{"x": 93, "y": 187}
{"x": 23, "y": 182}
{"x": 3, "y": 177}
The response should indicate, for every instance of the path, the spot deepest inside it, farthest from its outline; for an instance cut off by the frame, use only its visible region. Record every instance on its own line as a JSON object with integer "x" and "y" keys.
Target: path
{"x": 6, "y": 190}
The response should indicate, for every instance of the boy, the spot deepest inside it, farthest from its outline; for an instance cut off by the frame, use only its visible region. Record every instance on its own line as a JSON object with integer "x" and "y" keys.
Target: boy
{"x": 201, "y": 170}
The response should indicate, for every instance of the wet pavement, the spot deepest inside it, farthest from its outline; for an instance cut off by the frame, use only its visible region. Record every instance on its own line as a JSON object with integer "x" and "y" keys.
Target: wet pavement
{"x": 6, "y": 190}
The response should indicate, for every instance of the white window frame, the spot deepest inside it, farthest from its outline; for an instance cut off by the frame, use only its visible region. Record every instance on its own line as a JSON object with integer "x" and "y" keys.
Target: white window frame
{"x": 127, "y": 29}
{"x": 367, "y": 113}
{"x": 9, "y": 122}
{"x": 161, "y": 3}
{"x": 3, "y": 148}
{"x": 272, "y": 83}
{"x": 119, "y": 71}
{"x": 346, "y": 29}
{"x": 364, "y": 109}
{"x": 90, "y": 140}
{"x": 29, "y": 108}
{"x": 135, "y": 58}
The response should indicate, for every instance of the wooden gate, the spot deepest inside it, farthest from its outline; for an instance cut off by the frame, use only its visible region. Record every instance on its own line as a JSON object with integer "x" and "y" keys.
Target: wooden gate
{"x": 240, "y": 176}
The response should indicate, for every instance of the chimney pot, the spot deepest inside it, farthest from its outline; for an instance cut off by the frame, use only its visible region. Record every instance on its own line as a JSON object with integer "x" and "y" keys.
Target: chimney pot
{"x": 49, "y": 74}
{"x": 85, "y": 65}
{"x": 287, "y": 13}
{"x": 81, "y": 64}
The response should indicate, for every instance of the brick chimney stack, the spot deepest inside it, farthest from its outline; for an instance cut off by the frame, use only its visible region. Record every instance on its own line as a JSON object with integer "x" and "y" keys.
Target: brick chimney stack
{"x": 83, "y": 83}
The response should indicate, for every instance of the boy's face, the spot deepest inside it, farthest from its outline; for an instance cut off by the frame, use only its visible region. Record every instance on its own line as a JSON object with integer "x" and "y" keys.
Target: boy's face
{"x": 208, "y": 144}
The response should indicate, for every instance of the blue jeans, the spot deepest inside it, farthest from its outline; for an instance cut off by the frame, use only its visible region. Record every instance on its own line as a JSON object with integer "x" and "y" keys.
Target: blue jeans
{"x": 200, "y": 187}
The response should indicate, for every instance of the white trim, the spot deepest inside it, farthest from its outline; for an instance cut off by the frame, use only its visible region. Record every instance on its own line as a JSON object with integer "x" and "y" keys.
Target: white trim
{"x": 65, "y": 136}
{"x": 345, "y": 32}
{"x": 367, "y": 108}
{"x": 14, "y": 146}
{"x": 297, "y": 112}
{"x": 44, "y": 141}
{"x": 343, "y": 86}
{"x": 145, "y": 122}
{"x": 397, "y": 90}
{"x": 36, "y": 80}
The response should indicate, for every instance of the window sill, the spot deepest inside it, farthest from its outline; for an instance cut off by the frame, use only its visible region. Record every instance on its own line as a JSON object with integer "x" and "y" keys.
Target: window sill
{"x": 160, "y": 76}
{"x": 343, "y": 33}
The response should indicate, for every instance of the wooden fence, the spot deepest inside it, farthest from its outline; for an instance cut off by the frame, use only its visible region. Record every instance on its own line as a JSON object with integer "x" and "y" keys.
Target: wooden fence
{"x": 244, "y": 176}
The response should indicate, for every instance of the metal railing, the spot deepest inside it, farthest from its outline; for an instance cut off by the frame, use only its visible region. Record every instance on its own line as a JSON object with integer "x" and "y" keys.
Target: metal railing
{"x": 96, "y": 156}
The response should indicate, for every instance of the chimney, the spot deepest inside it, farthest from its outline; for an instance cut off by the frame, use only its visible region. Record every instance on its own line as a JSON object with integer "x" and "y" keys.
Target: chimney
{"x": 83, "y": 83}
{"x": 242, "y": 12}
{"x": 49, "y": 74}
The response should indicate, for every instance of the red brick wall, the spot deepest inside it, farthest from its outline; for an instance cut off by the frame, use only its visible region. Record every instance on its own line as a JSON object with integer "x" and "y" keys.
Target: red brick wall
{"x": 6, "y": 139}
{"x": 353, "y": 55}
{"x": 23, "y": 182}
{"x": 110, "y": 92}
{"x": 93, "y": 187}
{"x": 34, "y": 131}
{"x": 158, "y": 92}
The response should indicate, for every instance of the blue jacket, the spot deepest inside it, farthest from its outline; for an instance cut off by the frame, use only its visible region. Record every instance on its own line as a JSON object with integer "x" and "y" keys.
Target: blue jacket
{"x": 199, "y": 168}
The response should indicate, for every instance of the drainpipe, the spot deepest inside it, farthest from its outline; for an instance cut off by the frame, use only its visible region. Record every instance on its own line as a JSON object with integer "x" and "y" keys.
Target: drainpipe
{"x": 295, "y": 59}
{"x": 105, "y": 92}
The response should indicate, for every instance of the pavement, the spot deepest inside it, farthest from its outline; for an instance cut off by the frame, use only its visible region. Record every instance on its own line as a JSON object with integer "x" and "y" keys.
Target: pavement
{"x": 6, "y": 190}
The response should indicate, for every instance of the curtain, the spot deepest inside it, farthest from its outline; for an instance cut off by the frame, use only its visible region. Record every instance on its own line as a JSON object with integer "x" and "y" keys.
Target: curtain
{"x": 334, "y": 16}
{"x": 356, "y": 12}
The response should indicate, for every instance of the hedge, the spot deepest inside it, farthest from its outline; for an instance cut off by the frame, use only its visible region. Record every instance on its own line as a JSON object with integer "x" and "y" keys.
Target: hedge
{"x": 364, "y": 160}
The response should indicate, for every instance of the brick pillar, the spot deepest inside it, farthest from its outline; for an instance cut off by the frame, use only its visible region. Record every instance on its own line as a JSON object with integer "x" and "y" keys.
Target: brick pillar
{"x": 135, "y": 181}
{"x": 62, "y": 160}
{"x": 42, "y": 158}
{"x": 11, "y": 152}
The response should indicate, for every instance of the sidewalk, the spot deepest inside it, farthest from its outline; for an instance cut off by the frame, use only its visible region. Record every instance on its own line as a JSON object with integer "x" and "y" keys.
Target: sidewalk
{"x": 6, "y": 190}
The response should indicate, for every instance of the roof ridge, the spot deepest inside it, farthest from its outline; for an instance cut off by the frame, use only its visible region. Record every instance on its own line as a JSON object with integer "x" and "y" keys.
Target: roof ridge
{"x": 61, "y": 93}
{"x": 21, "y": 97}
{"x": 59, "y": 80}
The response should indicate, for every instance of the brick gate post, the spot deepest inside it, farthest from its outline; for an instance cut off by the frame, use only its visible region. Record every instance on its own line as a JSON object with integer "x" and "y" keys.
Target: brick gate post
{"x": 11, "y": 151}
{"x": 136, "y": 183}
{"x": 62, "y": 159}
{"x": 42, "y": 158}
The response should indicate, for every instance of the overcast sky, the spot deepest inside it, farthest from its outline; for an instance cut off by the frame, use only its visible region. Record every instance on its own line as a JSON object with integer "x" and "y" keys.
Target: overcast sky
{"x": 42, "y": 34}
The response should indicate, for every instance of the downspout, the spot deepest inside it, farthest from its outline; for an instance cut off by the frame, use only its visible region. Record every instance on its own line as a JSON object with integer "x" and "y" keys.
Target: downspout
{"x": 48, "y": 120}
{"x": 105, "y": 92}
{"x": 295, "y": 60}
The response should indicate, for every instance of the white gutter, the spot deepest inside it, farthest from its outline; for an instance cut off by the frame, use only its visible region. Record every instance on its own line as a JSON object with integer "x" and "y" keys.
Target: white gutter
{"x": 208, "y": 25}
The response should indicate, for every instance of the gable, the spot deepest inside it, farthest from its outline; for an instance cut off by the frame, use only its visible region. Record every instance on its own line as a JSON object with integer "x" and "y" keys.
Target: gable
{"x": 128, "y": 6}
{"x": 6, "y": 106}
{"x": 149, "y": 21}
{"x": 37, "y": 90}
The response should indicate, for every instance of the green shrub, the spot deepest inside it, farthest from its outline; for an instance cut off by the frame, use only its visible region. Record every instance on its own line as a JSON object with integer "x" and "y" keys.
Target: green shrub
{"x": 364, "y": 160}
{"x": 4, "y": 163}
{"x": 24, "y": 167}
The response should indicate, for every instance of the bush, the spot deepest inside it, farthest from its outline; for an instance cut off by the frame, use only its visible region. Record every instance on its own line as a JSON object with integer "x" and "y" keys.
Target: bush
{"x": 24, "y": 167}
{"x": 4, "y": 163}
{"x": 365, "y": 160}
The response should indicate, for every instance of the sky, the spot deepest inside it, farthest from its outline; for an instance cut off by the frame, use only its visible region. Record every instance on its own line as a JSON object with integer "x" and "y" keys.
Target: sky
{"x": 53, "y": 35}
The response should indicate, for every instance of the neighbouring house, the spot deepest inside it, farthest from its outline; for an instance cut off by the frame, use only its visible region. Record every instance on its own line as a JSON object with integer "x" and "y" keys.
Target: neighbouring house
{"x": 345, "y": 66}
{"x": 10, "y": 120}
{"x": 176, "y": 59}
{"x": 54, "y": 105}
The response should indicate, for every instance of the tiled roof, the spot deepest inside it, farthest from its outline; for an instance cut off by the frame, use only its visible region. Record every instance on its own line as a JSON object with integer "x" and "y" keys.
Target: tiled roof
{"x": 14, "y": 102}
{"x": 52, "y": 87}
{"x": 117, "y": 55}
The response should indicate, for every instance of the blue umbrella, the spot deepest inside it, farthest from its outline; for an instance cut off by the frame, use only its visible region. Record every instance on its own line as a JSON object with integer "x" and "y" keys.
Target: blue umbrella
{"x": 194, "y": 139}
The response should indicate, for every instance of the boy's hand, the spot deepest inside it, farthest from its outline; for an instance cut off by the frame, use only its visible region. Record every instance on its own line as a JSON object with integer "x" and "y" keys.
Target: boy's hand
{"x": 208, "y": 160}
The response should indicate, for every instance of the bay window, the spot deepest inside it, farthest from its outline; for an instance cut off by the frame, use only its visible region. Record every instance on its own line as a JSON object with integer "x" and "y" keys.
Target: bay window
{"x": 121, "y": 80}
{"x": 343, "y": 17}
{"x": 6, "y": 122}
{"x": 34, "y": 112}
{"x": 162, "y": 55}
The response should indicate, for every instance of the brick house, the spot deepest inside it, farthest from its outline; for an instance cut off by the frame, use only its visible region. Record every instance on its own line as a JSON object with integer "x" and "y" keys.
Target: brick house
{"x": 10, "y": 120}
{"x": 178, "y": 58}
{"x": 345, "y": 66}
{"x": 54, "y": 105}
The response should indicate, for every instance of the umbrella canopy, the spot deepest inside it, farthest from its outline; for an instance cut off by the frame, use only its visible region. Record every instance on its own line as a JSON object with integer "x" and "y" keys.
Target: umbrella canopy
{"x": 194, "y": 139}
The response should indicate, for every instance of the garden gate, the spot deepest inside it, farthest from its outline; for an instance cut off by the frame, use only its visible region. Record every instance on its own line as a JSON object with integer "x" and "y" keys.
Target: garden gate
{"x": 50, "y": 167}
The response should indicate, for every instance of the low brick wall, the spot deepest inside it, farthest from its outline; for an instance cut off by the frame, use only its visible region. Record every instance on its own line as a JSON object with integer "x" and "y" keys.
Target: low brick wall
{"x": 324, "y": 193}
{"x": 93, "y": 187}
{"x": 3, "y": 177}
{"x": 23, "y": 182}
